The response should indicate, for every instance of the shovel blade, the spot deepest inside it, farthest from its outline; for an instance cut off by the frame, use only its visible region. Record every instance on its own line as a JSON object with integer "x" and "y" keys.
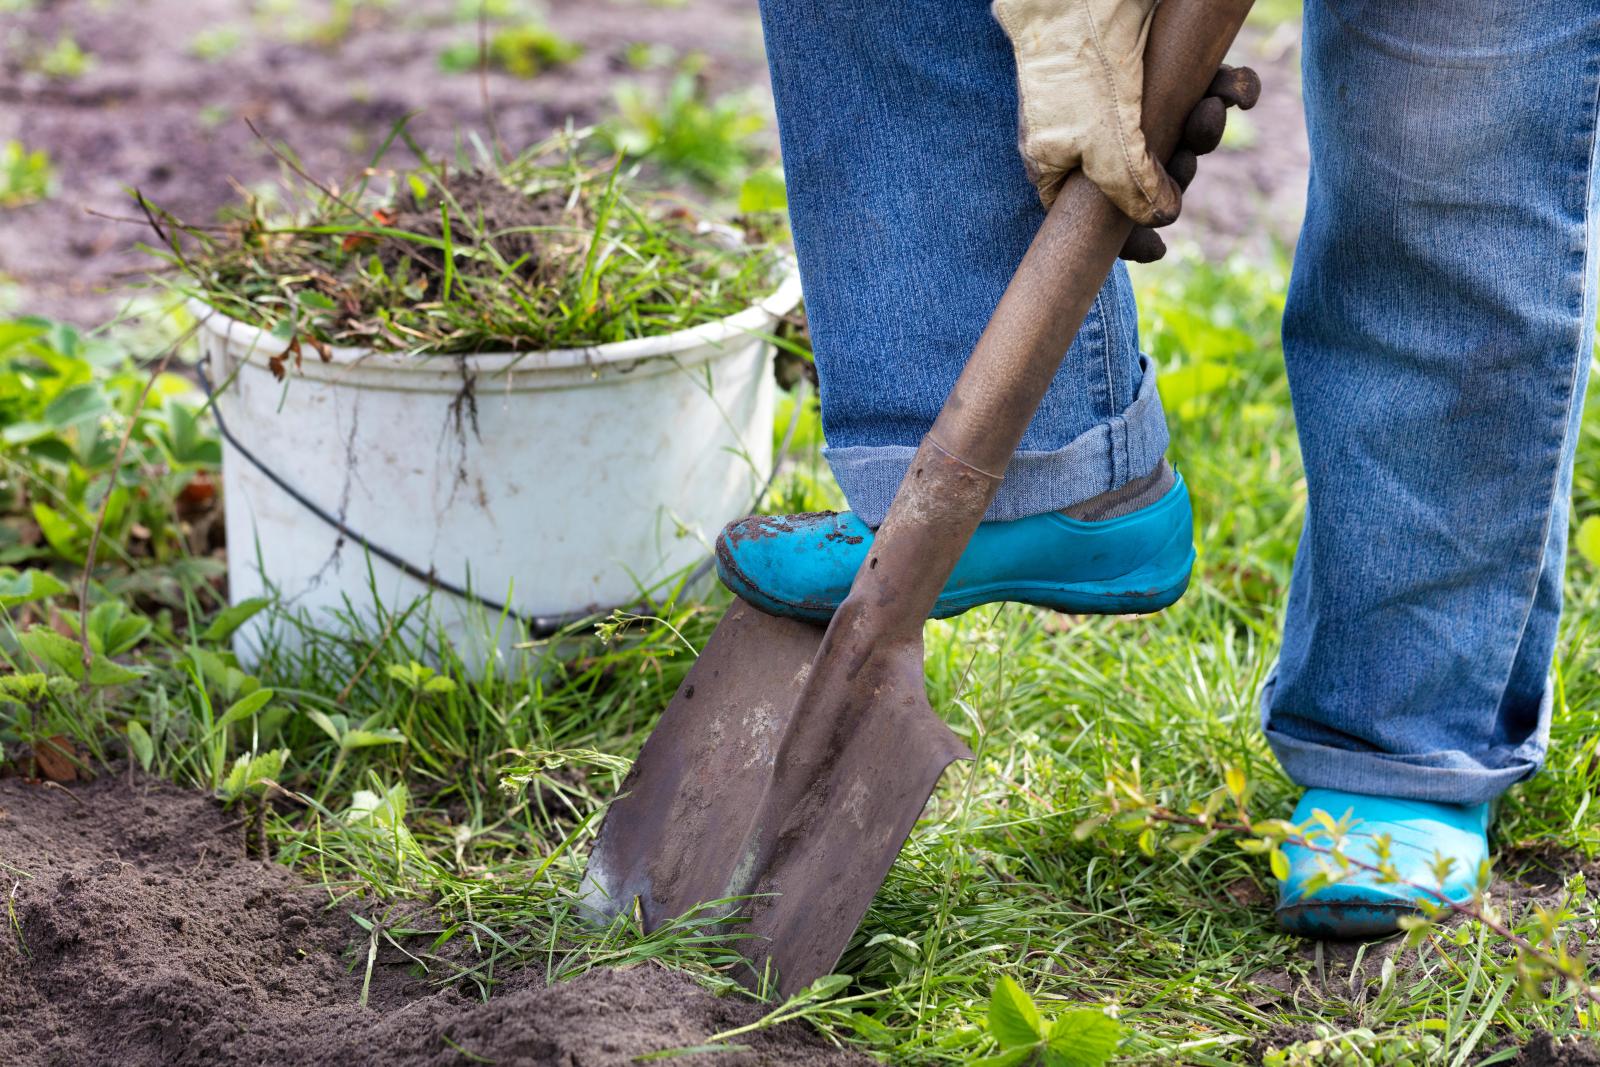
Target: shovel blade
{"x": 672, "y": 837}
{"x": 688, "y": 826}
{"x": 883, "y": 752}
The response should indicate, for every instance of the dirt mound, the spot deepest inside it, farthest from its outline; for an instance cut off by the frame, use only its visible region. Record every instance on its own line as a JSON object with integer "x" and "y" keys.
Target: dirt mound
{"x": 145, "y": 935}
{"x": 1545, "y": 1051}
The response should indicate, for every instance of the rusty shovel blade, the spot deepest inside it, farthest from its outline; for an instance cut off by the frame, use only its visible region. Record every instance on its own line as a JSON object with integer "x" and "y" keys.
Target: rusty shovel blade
{"x": 781, "y": 780}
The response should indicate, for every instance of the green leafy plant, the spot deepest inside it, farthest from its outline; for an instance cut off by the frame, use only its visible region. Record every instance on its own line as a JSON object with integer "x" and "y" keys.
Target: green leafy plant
{"x": 113, "y": 628}
{"x": 25, "y": 587}
{"x": 1360, "y": 1047}
{"x": 253, "y": 773}
{"x": 712, "y": 142}
{"x": 350, "y": 735}
{"x": 1082, "y": 1037}
{"x": 66, "y": 401}
{"x": 419, "y": 679}
{"x": 25, "y": 175}
{"x": 63, "y": 60}
{"x": 522, "y": 51}
{"x": 59, "y": 655}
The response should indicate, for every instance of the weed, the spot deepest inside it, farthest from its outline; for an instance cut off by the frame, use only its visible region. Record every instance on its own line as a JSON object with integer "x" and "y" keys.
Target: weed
{"x": 711, "y": 142}
{"x": 1081, "y": 1038}
{"x": 649, "y": 55}
{"x": 523, "y": 52}
{"x": 25, "y": 175}
{"x": 216, "y": 43}
{"x": 63, "y": 60}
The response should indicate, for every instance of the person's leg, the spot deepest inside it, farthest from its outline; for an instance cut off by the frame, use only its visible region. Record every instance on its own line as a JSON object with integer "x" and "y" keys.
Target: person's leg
{"x": 1438, "y": 336}
{"x": 911, "y": 209}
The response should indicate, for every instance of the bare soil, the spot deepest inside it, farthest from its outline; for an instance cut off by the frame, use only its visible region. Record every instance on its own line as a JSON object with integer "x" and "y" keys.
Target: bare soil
{"x": 1546, "y": 1051}
{"x": 152, "y": 115}
{"x": 144, "y": 935}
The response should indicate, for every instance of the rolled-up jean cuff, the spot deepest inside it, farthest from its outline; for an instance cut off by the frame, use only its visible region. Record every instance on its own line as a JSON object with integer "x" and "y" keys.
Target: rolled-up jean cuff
{"x": 1440, "y": 777}
{"x": 1102, "y": 458}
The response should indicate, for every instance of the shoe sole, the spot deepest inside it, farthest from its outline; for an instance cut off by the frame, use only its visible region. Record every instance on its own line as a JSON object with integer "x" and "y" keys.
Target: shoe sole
{"x": 1343, "y": 920}
{"x": 1141, "y": 592}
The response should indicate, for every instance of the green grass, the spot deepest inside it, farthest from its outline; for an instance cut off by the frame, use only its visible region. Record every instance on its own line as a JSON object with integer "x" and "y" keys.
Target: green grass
{"x": 479, "y": 795}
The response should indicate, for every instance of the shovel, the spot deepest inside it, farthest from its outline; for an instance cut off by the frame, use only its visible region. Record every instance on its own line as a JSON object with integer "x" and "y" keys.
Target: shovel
{"x": 793, "y": 762}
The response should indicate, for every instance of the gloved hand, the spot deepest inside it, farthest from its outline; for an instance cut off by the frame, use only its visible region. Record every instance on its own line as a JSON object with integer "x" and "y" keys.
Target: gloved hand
{"x": 1202, "y": 131}
{"x": 1080, "y": 79}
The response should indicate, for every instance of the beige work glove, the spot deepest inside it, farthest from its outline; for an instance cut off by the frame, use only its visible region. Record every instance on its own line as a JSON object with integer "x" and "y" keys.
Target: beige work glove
{"x": 1080, "y": 75}
{"x": 1080, "y": 81}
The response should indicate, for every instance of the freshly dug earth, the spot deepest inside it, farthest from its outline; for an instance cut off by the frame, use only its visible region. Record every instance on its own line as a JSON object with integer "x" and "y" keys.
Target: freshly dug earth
{"x": 144, "y": 935}
{"x": 1546, "y": 1051}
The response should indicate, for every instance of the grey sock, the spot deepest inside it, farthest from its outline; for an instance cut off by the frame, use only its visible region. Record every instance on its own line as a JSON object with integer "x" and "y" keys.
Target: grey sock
{"x": 1125, "y": 499}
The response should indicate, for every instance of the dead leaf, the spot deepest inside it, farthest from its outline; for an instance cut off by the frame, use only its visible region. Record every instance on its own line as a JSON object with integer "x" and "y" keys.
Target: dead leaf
{"x": 357, "y": 239}
{"x": 275, "y": 365}
{"x": 360, "y": 238}
{"x": 53, "y": 760}
{"x": 197, "y": 495}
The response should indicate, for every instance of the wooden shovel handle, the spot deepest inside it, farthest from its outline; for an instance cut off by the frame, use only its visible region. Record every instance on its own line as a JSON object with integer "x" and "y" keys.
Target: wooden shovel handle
{"x": 956, "y": 472}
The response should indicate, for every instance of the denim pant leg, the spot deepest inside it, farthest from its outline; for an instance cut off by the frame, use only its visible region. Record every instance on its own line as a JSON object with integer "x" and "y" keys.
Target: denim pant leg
{"x": 1438, "y": 337}
{"x": 910, "y": 211}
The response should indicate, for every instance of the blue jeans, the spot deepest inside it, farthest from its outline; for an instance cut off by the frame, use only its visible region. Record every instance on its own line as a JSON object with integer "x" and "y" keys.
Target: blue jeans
{"x": 1437, "y": 337}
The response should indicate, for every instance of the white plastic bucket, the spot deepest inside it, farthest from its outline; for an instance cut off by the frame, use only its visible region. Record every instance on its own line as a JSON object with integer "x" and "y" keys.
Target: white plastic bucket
{"x": 584, "y": 478}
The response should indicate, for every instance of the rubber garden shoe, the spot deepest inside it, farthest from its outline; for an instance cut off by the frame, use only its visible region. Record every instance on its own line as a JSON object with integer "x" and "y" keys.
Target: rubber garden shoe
{"x": 801, "y": 566}
{"x": 1360, "y": 906}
